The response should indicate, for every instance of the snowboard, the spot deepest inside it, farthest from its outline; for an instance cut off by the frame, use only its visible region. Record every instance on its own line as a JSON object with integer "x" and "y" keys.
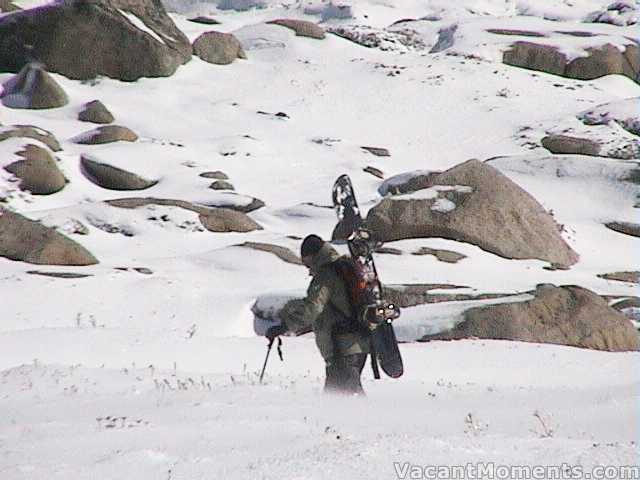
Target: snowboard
{"x": 378, "y": 313}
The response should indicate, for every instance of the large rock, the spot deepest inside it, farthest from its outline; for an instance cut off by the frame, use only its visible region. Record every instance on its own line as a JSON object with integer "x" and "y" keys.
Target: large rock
{"x": 95, "y": 112}
{"x": 82, "y": 39}
{"x": 106, "y": 134}
{"x": 29, "y": 131}
{"x": 474, "y": 203}
{"x": 566, "y": 315}
{"x": 302, "y": 28}
{"x": 564, "y": 144}
{"x": 218, "y": 48}
{"x": 37, "y": 171}
{"x": 32, "y": 88}
{"x": 604, "y": 60}
{"x": 112, "y": 178}
{"x": 29, "y": 241}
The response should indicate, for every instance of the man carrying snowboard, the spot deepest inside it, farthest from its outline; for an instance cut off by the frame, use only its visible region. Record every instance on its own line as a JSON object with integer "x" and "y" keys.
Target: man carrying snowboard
{"x": 328, "y": 309}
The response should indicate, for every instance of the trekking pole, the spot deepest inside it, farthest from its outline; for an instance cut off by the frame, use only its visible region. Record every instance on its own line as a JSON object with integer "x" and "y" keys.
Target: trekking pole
{"x": 266, "y": 359}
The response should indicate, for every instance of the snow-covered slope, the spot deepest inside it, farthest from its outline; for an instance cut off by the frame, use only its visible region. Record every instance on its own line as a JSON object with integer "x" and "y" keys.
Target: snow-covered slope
{"x": 161, "y": 331}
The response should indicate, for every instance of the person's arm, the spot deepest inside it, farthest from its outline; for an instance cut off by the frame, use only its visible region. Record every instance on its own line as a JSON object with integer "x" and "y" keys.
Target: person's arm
{"x": 317, "y": 301}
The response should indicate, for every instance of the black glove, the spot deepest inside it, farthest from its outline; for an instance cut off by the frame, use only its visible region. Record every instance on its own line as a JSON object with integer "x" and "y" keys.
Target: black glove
{"x": 275, "y": 331}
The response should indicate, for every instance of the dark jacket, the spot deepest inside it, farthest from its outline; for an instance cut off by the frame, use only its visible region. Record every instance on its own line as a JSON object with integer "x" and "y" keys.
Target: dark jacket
{"x": 327, "y": 304}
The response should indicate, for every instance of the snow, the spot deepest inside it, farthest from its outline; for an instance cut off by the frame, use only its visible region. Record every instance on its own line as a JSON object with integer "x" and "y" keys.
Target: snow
{"x": 76, "y": 350}
{"x": 139, "y": 24}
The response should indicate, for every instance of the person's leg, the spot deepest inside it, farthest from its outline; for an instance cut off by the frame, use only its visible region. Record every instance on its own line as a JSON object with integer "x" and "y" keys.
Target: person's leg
{"x": 333, "y": 380}
{"x": 351, "y": 371}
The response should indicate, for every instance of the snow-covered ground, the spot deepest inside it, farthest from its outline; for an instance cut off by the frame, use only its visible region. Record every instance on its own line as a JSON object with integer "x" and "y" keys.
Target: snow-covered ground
{"x": 131, "y": 374}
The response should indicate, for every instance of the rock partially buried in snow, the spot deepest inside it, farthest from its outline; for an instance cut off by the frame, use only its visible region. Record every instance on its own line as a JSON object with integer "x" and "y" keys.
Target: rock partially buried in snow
{"x": 283, "y": 253}
{"x": 95, "y": 112}
{"x": 204, "y": 210}
{"x": 29, "y": 131}
{"x": 302, "y": 28}
{"x": 377, "y": 151}
{"x": 204, "y": 20}
{"x": 83, "y": 39}
{"x": 38, "y": 171}
{"x": 604, "y": 60}
{"x": 29, "y": 241}
{"x": 222, "y": 220}
{"x": 474, "y": 203}
{"x": 106, "y": 134}
{"x": 631, "y": 277}
{"x": 564, "y": 144}
{"x": 447, "y": 256}
{"x": 623, "y": 112}
{"x": 376, "y": 172}
{"x": 112, "y": 178}
{"x": 620, "y": 13}
{"x": 568, "y": 315}
{"x": 218, "y": 48}
{"x": 32, "y": 88}
{"x": 626, "y": 228}
{"x": 221, "y": 185}
{"x": 218, "y": 175}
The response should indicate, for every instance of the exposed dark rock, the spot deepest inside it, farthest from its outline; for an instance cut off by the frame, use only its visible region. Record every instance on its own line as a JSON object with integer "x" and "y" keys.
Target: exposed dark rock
{"x": 377, "y": 151}
{"x": 604, "y": 60}
{"x": 67, "y": 275}
{"x": 218, "y": 48}
{"x": 113, "y": 178}
{"x": 29, "y": 131}
{"x": 302, "y": 28}
{"x": 95, "y": 112}
{"x": 25, "y": 240}
{"x": 32, "y": 88}
{"x": 204, "y": 20}
{"x": 568, "y": 315}
{"x": 447, "y": 256}
{"x": 221, "y": 185}
{"x": 631, "y": 277}
{"x": 376, "y": 172}
{"x": 38, "y": 171}
{"x": 626, "y": 228}
{"x": 82, "y": 39}
{"x": 106, "y": 134}
{"x": 563, "y": 144}
{"x": 283, "y": 253}
{"x": 474, "y": 203}
{"x": 218, "y": 175}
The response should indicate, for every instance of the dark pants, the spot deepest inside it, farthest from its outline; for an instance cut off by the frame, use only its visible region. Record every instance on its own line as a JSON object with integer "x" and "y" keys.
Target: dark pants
{"x": 343, "y": 376}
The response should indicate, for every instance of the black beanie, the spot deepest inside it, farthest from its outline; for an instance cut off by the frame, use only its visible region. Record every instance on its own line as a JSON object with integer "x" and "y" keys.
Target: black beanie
{"x": 311, "y": 245}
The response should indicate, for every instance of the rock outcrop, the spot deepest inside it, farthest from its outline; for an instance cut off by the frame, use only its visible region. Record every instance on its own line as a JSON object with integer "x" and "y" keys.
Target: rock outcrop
{"x": 218, "y": 48}
{"x": 32, "y": 88}
{"x": 106, "y": 134}
{"x": 112, "y": 178}
{"x": 302, "y": 28}
{"x": 29, "y": 241}
{"x": 95, "y": 112}
{"x": 37, "y": 170}
{"x": 474, "y": 203}
{"x": 604, "y": 60}
{"x": 82, "y": 39}
{"x": 567, "y": 315}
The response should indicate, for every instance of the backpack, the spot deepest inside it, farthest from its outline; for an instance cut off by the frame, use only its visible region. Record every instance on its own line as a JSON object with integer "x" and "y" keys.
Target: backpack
{"x": 357, "y": 280}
